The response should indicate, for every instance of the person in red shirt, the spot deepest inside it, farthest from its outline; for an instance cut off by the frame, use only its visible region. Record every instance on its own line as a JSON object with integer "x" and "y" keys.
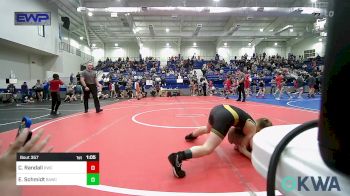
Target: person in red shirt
{"x": 279, "y": 85}
{"x": 227, "y": 87}
{"x": 247, "y": 84}
{"x": 211, "y": 89}
{"x": 138, "y": 90}
{"x": 55, "y": 89}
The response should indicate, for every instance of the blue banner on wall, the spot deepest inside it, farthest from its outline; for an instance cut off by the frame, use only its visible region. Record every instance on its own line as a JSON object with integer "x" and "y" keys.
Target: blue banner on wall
{"x": 33, "y": 18}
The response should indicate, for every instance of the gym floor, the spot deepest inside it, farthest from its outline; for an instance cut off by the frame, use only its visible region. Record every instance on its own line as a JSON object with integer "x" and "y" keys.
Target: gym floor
{"x": 11, "y": 114}
{"x": 134, "y": 138}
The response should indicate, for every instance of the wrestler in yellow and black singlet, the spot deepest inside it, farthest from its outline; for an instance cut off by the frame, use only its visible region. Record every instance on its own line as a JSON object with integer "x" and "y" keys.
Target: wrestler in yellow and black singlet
{"x": 222, "y": 117}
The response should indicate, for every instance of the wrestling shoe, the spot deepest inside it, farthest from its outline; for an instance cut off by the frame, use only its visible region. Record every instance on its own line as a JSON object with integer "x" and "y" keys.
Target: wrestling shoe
{"x": 176, "y": 164}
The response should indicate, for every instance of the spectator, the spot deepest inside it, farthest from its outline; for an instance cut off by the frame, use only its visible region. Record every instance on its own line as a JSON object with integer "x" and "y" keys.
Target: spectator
{"x": 70, "y": 93}
{"x": 78, "y": 78}
{"x": 24, "y": 91}
{"x": 71, "y": 78}
{"x": 12, "y": 89}
{"x": 46, "y": 87}
{"x": 261, "y": 88}
{"x": 38, "y": 88}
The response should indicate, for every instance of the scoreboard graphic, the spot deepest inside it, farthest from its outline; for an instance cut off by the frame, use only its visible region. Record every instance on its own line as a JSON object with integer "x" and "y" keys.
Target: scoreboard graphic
{"x": 57, "y": 169}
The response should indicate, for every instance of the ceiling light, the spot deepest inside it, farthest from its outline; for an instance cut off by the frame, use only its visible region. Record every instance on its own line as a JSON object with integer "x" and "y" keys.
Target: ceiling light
{"x": 80, "y": 9}
{"x": 216, "y": 0}
{"x": 167, "y": 30}
{"x": 116, "y": 45}
{"x": 90, "y": 14}
{"x": 123, "y": 9}
{"x": 261, "y": 30}
{"x": 296, "y": 38}
{"x": 225, "y": 44}
{"x": 93, "y": 45}
{"x": 167, "y": 44}
{"x": 276, "y": 43}
{"x": 249, "y": 44}
{"x": 271, "y": 30}
{"x": 114, "y": 14}
{"x": 218, "y": 10}
{"x": 313, "y": 1}
{"x": 320, "y": 39}
{"x": 194, "y": 44}
{"x": 291, "y": 30}
{"x": 81, "y": 38}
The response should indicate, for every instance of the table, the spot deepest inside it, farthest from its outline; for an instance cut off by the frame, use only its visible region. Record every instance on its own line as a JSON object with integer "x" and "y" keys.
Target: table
{"x": 164, "y": 91}
{"x": 301, "y": 166}
{"x": 5, "y": 96}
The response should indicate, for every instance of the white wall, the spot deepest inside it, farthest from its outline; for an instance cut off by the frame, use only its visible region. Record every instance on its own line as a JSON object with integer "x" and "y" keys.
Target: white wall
{"x": 203, "y": 49}
{"x": 28, "y": 35}
{"x": 26, "y": 67}
{"x": 159, "y": 50}
{"x": 235, "y": 49}
{"x": 163, "y": 52}
{"x": 155, "y": 49}
{"x": 270, "y": 49}
{"x": 124, "y": 49}
{"x": 309, "y": 44}
{"x": 64, "y": 64}
{"x": 30, "y": 67}
{"x": 98, "y": 54}
{"x": 85, "y": 49}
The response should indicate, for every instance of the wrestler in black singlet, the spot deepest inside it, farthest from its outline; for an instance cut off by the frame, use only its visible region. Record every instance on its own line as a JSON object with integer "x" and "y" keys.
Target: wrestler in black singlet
{"x": 222, "y": 117}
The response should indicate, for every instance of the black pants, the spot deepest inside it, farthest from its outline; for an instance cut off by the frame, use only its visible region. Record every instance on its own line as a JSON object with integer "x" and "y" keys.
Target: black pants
{"x": 24, "y": 95}
{"x": 93, "y": 91}
{"x": 56, "y": 101}
{"x": 241, "y": 90}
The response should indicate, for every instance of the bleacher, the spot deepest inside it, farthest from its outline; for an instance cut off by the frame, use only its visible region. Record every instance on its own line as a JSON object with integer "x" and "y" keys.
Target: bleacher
{"x": 170, "y": 81}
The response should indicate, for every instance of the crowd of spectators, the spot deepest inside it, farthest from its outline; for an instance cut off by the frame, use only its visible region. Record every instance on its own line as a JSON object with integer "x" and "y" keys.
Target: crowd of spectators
{"x": 202, "y": 77}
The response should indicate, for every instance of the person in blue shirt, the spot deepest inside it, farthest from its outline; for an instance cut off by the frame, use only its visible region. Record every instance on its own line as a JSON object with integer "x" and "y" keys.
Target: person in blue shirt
{"x": 46, "y": 87}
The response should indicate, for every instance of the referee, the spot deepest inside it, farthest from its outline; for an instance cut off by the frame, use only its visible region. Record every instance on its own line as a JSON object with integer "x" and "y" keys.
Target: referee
{"x": 89, "y": 82}
{"x": 240, "y": 77}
